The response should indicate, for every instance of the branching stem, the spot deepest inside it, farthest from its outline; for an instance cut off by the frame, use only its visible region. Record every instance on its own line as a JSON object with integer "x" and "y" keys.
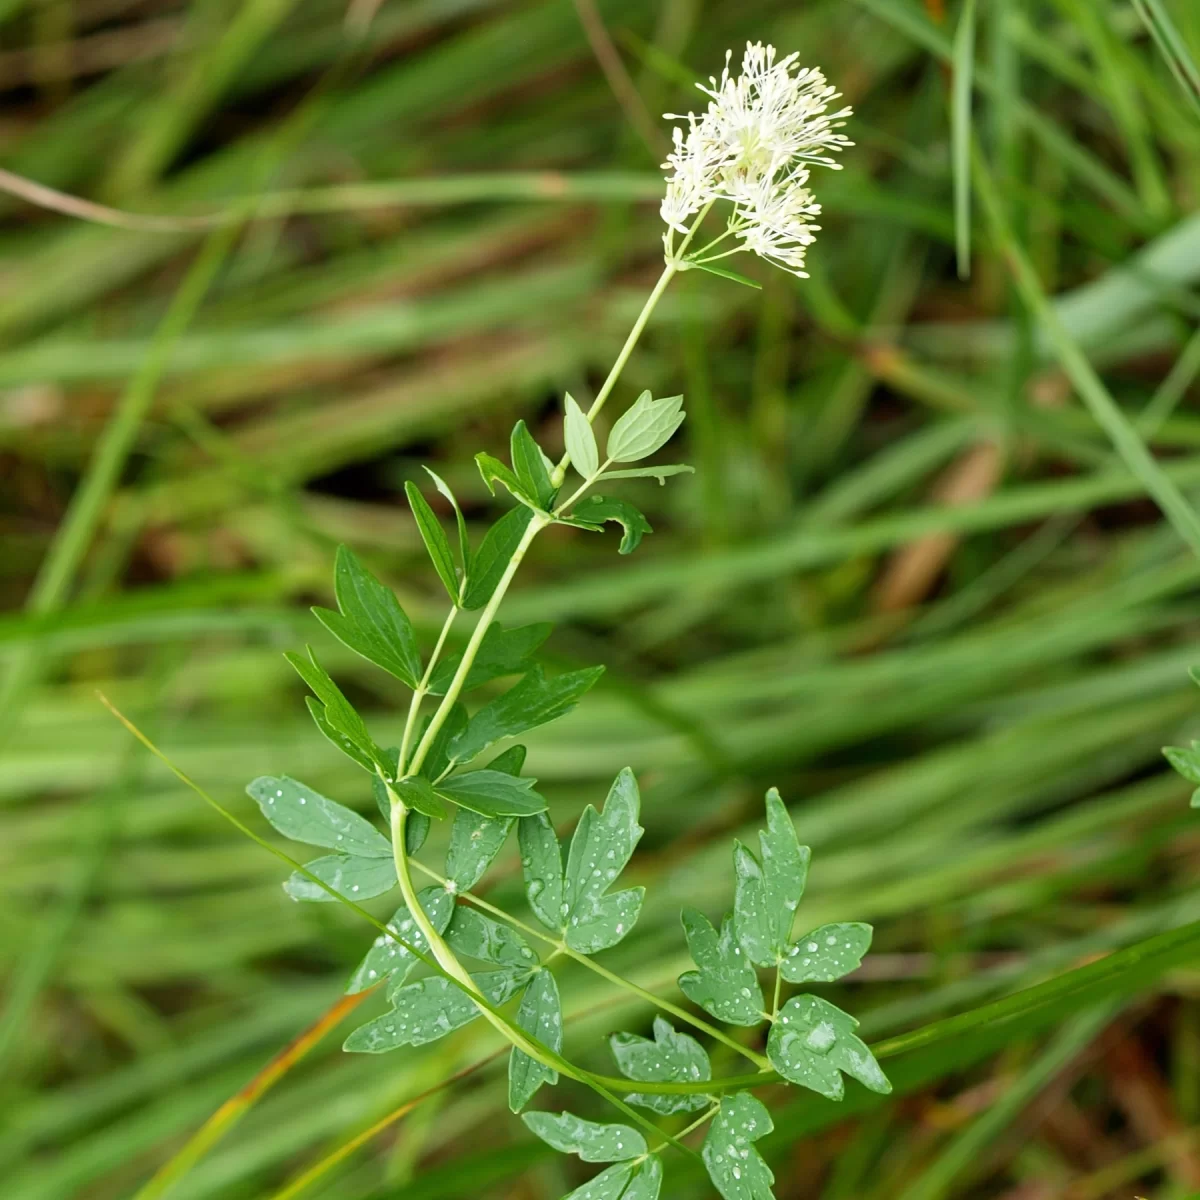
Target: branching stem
{"x": 593, "y": 966}
{"x": 422, "y": 690}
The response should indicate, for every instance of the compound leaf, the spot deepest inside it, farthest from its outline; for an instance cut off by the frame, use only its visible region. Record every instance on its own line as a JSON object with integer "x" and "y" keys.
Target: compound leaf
{"x": 371, "y": 621}
{"x": 766, "y": 894}
{"x": 502, "y": 652}
{"x": 580, "y": 439}
{"x": 672, "y": 1057}
{"x": 813, "y": 1040}
{"x": 592, "y": 1141}
{"x": 494, "y": 794}
{"x": 472, "y": 933}
{"x": 644, "y": 428}
{"x": 349, "y": 875}
{"x": 387, "y": 956}
{"x": 306, "y": 816}
{"x": 827, "y": 953}
{"x": 725, "y": 984}
{"x": 542, "y": 867}
{"x": 539, "y": 1014}
{"x": 600, "y": 848}
{"x": 532, "y": 701}
{"x": 734, "y": 1165}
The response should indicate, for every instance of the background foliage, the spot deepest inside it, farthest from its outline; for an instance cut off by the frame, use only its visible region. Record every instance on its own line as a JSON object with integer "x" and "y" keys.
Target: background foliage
{"x": 910, "y": 584}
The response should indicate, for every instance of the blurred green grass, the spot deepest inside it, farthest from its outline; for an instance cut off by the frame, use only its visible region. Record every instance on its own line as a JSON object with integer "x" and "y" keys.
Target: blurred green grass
{"x": 910, "y": 584}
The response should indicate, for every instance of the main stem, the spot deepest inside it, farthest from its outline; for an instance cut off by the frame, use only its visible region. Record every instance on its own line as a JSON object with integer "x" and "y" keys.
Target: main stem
{"x": 537, "y": 523}
{"x": 422, "y": 689}
{"x": 444, "y": 956}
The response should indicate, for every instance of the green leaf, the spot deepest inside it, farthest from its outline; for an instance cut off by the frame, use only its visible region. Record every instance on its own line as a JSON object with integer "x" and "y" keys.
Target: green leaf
{"x": 493, "y": 794}
{"x": 540, "y": 1014}
{"x": 646, "y": 427}
{"x": 593, "y": 511}
{"x": 530, "y": 465}
{"x": 647, "y": 1180}
{"x": 812, "y": 1040}
{"x": 386, "y": 956}
{"x": 542, "y": 867}
{"x": 436, "y": 542}
{"x": 478, "y": 936}
{"x": 417, "y": 793}
{"x": 416, "y": 826}
{"x": 623, "y": 1181}
{"x": 464, "y": 541}
{"x": 502, "y": 652}
{"x": 371, "y": 621}
{"x": 342, "y": 724}
{"x": 437, "y": 761}
{"x": 827, "y": 953}
{"x": 1187, "y": 762}
{"x": 475, "y": 841}
{"x": 659, "y": 473}
{"x": 416, "y": 830}
{"x": 533, "y": 701}
{"x": 592, "y": 1141}
{"x": 340, "y": 740}
{"x": 429, "y": 1009}
{"x": 766, "y": 894}
{"x": 726, "y": 273}
{"x": 493, "y": 470}
{"x": 495, "y": 553}
{"x": 725, "y": 984}
{"x": 580, "y": 439}
{"x": 734, "y": 1165}
{"x": 306, "y": 816}
{"x": 671, "y": 1058}
{"x": 601, "y": 846}
{"x": 350, "y": 876}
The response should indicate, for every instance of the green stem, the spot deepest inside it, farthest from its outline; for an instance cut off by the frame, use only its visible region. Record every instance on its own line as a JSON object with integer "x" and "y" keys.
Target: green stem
{"x": 537, "y": 523}
{"x": 583, "y": 487}
{"x": 593, "y": 966}
{"x": 422, "y": 689}
{"x": 778, "y": 989}
{"x": 666, "y": 1005}
{"x": 443, "y": 955}
{"x": 706, "y": 1115}
{"x": 669, "y": 272}
{"x": 448, "y": 963}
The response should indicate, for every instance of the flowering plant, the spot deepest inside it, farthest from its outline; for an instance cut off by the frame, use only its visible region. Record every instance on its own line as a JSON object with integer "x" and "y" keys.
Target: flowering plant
{"x": 447, "y": 956}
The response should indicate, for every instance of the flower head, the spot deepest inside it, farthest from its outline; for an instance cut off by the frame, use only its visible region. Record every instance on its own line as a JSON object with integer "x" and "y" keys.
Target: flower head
{"x": 753, "y": 147}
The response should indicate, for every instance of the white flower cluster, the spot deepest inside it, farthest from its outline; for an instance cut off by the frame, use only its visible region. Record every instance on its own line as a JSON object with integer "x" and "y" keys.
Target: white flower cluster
{"x": 753, "y": 147}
